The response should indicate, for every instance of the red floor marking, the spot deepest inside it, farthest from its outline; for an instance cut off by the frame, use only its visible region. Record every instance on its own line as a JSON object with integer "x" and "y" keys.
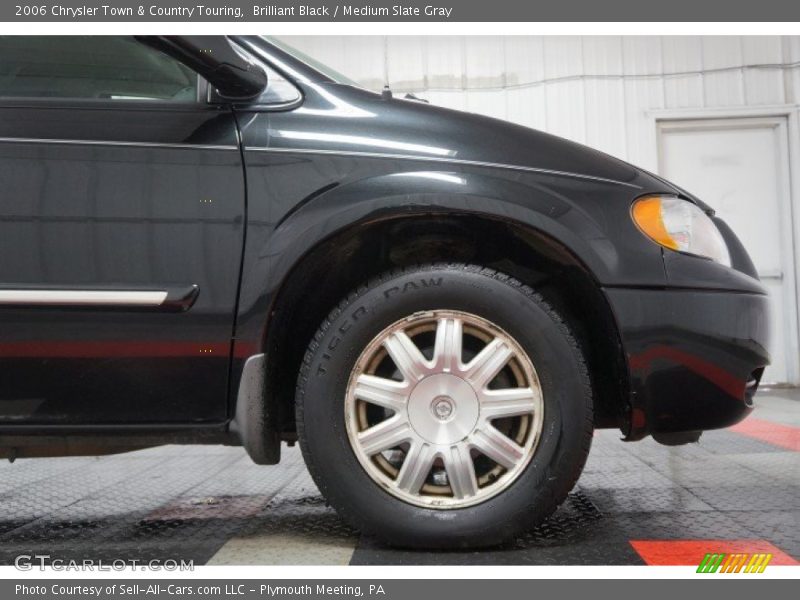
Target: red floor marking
{"x": 691, "y": 552}
{"x": 777, "y": 434}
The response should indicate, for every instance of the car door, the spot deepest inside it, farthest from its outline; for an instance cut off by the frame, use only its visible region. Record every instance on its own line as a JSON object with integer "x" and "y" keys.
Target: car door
{"x": 121, "y": 230}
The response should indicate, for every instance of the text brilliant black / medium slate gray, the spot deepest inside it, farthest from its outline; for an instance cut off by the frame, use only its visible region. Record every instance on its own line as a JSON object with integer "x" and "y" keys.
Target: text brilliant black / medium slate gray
{"x": 390, "y": 282}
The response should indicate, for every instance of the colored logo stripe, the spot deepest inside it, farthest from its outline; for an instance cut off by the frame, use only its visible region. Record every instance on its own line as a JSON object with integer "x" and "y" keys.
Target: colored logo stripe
{"x": 710, "y": 563}
{"x": 734, "y": 563}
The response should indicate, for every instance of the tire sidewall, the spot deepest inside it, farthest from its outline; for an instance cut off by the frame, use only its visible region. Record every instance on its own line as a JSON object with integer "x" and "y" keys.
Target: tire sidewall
{"x": 516, "y": 310}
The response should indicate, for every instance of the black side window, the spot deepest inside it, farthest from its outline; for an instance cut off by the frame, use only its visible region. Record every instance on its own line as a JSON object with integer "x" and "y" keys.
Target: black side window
{"x": 103, "y": 67}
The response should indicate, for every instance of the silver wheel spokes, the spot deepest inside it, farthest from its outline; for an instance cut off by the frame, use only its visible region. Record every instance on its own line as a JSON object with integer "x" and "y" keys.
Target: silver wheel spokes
{"x": 442, "y": 413}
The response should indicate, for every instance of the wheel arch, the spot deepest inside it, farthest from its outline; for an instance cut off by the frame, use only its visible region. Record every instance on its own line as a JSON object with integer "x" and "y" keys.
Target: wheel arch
{"x": 402, "y": 237}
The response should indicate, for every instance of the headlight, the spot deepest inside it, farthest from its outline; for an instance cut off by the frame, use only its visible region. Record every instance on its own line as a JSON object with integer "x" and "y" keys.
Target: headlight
{"x": 680, "y": 225}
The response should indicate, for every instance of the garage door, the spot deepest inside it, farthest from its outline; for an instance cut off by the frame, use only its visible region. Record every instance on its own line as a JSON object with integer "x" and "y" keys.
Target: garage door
{"x": 741, "y": 168}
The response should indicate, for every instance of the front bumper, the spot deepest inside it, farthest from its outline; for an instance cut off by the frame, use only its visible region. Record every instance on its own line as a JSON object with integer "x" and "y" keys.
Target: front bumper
{"x": 694, "y": 356}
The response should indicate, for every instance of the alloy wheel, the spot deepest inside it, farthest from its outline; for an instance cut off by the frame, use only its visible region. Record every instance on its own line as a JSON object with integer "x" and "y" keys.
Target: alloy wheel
{"x": 444, "y": 409}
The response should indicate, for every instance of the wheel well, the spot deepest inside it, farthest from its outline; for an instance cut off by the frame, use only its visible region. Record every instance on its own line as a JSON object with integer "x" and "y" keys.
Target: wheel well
{"x": 340, "y": 264}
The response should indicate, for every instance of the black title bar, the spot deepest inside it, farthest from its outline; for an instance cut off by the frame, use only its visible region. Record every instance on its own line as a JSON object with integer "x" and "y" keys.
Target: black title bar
{"x": 402, "y": 11}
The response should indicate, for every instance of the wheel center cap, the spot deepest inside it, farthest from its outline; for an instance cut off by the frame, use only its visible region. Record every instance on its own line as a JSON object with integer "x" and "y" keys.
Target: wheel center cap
{"x": 443, "y": 409}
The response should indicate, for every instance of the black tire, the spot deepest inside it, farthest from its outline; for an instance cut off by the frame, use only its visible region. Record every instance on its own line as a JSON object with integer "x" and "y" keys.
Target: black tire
{"x": 565, "y": 437}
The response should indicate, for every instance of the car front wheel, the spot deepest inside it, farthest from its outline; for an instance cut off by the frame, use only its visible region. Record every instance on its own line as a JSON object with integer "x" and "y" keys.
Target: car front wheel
{"x": 444, "y": 406}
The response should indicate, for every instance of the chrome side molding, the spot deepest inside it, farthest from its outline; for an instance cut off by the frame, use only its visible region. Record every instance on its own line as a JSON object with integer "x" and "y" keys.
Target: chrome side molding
{"x": 83, "y": 297}
{"x": 170, "y": 299}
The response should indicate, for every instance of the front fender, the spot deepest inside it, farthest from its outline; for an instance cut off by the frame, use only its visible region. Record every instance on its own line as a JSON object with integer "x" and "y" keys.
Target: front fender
{"x": 587, "y": 216}
{"x": 426, "y": 192}
{"x": 595, "y": 231}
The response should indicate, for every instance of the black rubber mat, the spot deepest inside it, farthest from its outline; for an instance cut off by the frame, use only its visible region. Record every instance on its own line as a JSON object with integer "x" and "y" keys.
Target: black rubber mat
{"x": 212, "y": 504}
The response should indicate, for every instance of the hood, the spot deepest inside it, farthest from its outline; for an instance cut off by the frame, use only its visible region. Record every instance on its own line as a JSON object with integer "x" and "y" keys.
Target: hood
{"x": 366, "y": 122}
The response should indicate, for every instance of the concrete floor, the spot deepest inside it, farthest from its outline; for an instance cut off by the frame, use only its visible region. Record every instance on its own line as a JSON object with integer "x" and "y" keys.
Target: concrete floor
{"x": 638, "y": 503}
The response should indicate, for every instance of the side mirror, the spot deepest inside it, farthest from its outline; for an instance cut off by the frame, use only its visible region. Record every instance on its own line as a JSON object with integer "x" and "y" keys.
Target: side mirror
{"x": 213, "y": 57}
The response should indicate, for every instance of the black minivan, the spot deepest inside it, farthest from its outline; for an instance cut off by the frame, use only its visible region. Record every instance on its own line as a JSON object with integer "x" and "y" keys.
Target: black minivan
{"x": 218, "y": 240}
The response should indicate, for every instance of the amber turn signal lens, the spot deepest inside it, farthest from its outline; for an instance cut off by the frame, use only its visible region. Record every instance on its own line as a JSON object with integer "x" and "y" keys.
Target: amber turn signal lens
{"x": 648, "y": 215}
{"x": 680, "y": 225}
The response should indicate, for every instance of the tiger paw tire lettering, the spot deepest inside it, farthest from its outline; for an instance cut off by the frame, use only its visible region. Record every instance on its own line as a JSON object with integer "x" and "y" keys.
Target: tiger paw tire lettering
{"x": 444, "y": 405}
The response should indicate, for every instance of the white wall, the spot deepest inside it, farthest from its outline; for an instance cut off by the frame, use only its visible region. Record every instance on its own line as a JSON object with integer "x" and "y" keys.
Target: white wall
{"x": 596, "y": 90}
